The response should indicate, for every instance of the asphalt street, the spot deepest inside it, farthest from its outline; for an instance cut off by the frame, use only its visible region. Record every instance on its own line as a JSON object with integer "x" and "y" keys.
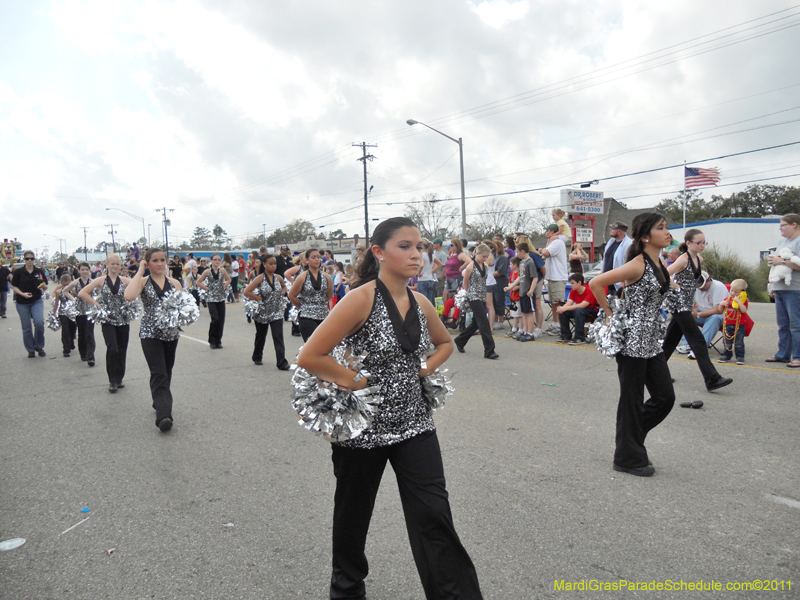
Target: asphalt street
{"x": 236, "y": 501}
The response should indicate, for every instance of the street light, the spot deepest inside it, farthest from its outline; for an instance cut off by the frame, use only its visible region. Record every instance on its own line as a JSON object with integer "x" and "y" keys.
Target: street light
{"x": 60, "y": 251}
{"x": 264, "y": 236}
{"x": 461, "y": 159}
{"x": 135, "y": 217}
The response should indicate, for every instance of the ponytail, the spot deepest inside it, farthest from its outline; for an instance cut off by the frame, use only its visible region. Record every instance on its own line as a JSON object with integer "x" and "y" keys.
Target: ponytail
{"x": 688, "y": 237}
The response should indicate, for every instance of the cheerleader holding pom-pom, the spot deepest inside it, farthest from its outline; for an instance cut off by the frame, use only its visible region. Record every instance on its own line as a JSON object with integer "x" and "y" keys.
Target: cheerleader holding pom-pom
{"x": 269, "y": 290}
{"x": 159, "y": 341}
{"x": 114, "y": 321}
{"x": 68, "y": 327}
{"x": 392, "y": 328}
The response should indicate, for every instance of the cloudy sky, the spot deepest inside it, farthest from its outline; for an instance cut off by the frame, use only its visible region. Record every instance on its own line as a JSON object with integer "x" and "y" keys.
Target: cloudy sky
{"x": 243, "y": 113}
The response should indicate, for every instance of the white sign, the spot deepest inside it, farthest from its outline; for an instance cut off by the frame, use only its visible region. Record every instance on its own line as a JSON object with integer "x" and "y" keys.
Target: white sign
{"x": 582, "y": 201}
{"x": 584, "y": 235}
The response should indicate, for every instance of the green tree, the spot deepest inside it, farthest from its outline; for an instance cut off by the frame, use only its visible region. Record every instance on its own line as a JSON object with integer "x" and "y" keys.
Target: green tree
{"x": 221, "y": 239}
{"x": 201, "y": 239}
{"x": 294, "y": 232}
{"x": 336, "y": 235}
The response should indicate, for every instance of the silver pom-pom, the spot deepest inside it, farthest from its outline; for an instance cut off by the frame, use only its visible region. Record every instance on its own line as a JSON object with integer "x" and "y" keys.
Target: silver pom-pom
{"x": 671, "y": 300}
{"x": 294, "y": 315}
{"x": 53, "y": 322}
{"x": 72, "y": 309}
{"x": 462, "y": 302}
{"x": 337, "y": 413}
{"x": 609, "y": 337}
{"x": 436, "y": 389}
{"x": 201, "y": 294}
{"x": 253, "y": 308}
{"x": 130, "y": 311}
{"x": 47, "y": 295}
{"x": 177, "y": 309}
{"x": 97, "y": 314}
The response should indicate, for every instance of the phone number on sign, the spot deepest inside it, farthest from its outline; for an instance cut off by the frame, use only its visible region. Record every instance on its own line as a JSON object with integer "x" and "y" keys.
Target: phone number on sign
{"x": 561, "y": 585}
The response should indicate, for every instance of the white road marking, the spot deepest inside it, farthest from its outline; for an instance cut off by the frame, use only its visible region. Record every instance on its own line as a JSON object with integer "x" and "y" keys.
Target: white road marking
{"x": 782, "y": 500}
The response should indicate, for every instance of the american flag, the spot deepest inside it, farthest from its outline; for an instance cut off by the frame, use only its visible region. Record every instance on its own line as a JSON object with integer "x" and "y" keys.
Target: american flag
{"x": 700, "y": 177}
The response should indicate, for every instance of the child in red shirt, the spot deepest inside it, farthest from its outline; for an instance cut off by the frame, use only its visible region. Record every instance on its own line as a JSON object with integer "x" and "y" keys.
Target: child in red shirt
{"x": 736, "y": 317}
{"x": 516, "y": 312}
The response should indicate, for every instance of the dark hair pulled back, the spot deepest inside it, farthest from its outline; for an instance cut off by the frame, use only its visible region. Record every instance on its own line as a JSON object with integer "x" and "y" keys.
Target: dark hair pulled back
{"x": 369, "y": 267}
{"x": 688, "y": 237}
{"x": 643, "y": 224}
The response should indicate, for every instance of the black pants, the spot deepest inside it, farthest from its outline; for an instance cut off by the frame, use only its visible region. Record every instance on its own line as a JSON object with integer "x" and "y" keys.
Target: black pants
{"x": 444, "y": 567}
{"x": 307, "y": 327}
{"x": 86, "y": 344}
{"x": 160, "y": 357}
{"x": 216, "y": 310}
{"x": 635, "y": 417}
{"x": 580, "y": 315}
{"x": 68, "y": 330}
{"x": 683, "y": 323}
{"x": 116, "y": 338}
{"x": 277, "y": 341}
{"x": 479, "y": 322}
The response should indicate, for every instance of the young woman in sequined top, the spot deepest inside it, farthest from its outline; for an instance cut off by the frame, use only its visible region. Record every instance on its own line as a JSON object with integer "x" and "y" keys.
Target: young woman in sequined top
{"x": 475, "y": 283}
{"x": 215, "y": 281}
{"x": 158, "y": 344}
{"x": 268, "y": 288}
{"x": 395, "y": 327}
{"x": 311, "y": 292}
{"x": 86, "y": 342}
{"x": 686, "y": 273}
{"x": 641, "y": 363}
{"x": 116, "y": 329}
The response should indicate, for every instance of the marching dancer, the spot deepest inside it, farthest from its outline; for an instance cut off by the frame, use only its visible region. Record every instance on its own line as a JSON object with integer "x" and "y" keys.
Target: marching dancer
{"x": 686, "y": 271}
{"x": 311, "y": 292}
{"x": 158, "y": 345}
{"x": 214, "y": 280}
{"x": 394, "y": 327}
{"x": 86, "y": 343}
{"x": 68, "y": 326}
{"x": 116, "y": 329}
{"x": 475, "y": 284}
{"x": 271, "y": 290}
{"x": 641, "y": 362}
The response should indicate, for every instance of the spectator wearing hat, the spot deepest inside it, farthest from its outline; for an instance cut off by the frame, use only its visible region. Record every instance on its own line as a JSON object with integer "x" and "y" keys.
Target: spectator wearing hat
{"x": 556, "y": 271}
{"x": 616, "y": 251}
{"x": 707, "y": 310}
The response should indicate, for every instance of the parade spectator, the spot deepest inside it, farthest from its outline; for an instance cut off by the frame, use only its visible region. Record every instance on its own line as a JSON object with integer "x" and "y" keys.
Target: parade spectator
{"x": 498, "y": 299}
{"x": 616, "y": 251}
{"x": 787, "y": 297}
{"x": 556, "y": 267}
{"x": 29, "y": 283}
{"x": 5, "y": 276}
{"x": 707, "y": 311}
{"x": 457, "y": 261}
{"x": 672, "y": 255}
{"x": 513, "y": 294}
{"x": 563, "y": 231}
{"x": 528, "y": 278}
{"x": 736, "y": 326}
{"x": 577, "y": 256}
{"x": 426, "y": 283}
{"x": 439, "y": 253}
{"x": 580, "y": 307}
{"x": 510, "y": 246}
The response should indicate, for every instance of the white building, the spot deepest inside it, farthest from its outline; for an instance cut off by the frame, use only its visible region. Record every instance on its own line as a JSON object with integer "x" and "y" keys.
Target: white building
{"x": 748, "y": 239}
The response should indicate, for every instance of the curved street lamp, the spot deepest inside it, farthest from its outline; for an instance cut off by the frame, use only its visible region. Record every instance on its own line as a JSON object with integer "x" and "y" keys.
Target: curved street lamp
{"x": 135, "y": 217}
{"x": 461, "y": 160}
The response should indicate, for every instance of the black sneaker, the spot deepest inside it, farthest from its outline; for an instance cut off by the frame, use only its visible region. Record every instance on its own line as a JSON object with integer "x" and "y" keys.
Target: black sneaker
{"x": 41, "y": 352}
{"x": 165, "y": 424}
{"x": 258, "y": 361}
{"x": 646, "y": 471}
{"x": 719, "y": 383}
{"x": 31, "y": 354}
{"x": 66, "y": 354}
{"x": 112, "y": 388}
{"x": 120, "y": 385}
{"x": 90, "y": 362}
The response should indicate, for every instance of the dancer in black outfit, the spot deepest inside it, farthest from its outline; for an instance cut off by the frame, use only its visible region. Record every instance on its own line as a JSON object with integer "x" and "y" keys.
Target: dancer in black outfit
{"x": 641, "y": 363}
{"x": 475, "y": 284}
{"x": 311, "y": 293}
{"x": 159, "y": 345}
{"x": 396, "y": 327}
{"x": 116, "y": 328}
{"x": 686, "y": 272}
{"x": 68, "y": 327}
{"x": 214, "y": 280}
{"x": 86, "y": 342}
{"x": 271, "y": 290}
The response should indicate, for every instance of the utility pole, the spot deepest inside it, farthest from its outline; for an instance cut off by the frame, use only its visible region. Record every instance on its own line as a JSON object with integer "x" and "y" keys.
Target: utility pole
{"x": 112, "y": 232}
{"x": 85, "y": 250}
{"x": 166, "y": 224}
{"x": 366, "y": 157}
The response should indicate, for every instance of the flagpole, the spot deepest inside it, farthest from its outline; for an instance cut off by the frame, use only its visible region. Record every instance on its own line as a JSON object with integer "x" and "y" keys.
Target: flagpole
{"x": 684, "y": 196}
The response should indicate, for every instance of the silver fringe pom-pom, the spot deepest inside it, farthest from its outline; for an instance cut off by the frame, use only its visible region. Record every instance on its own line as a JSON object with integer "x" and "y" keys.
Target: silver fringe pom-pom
{"x": 97, "y": 314}
{"x": 436, "y": 389}
{"x": 253, "y": 308}
{"x": 462, "y": 302}
{"x": 328, "y": 410}
{"x": 670, "y": 303}
{"x": 53, "y": 322}
{"x": 177, "y": 309}
{"x": 130, "y": 311}
{"x": 294, "y": 315}
{"x": 72, "y": 310}
{"x": 47, "y": 295}
{"x": 201, "y": 294}
{"x": 610, "y": 337}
